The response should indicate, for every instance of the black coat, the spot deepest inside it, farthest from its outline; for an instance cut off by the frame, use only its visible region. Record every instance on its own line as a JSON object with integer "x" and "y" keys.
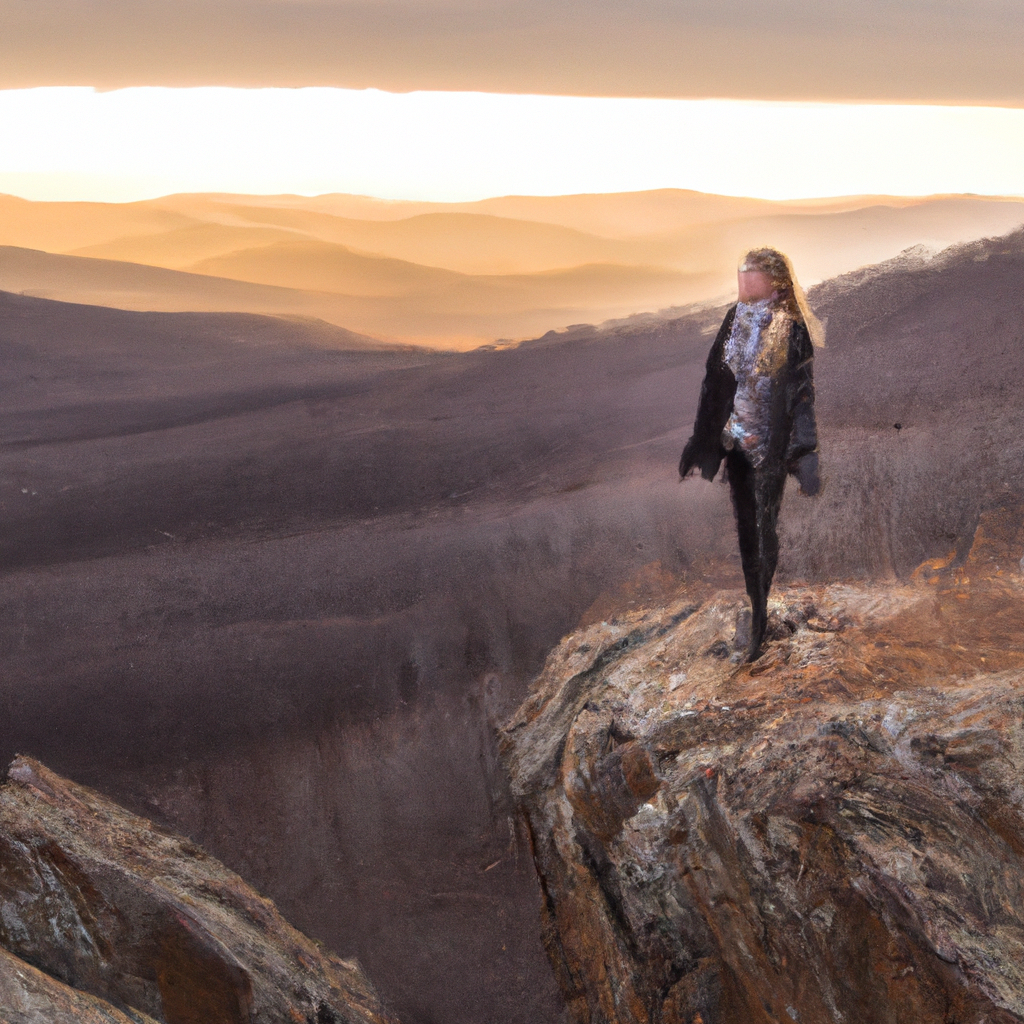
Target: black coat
{"x": 793, "y": 432}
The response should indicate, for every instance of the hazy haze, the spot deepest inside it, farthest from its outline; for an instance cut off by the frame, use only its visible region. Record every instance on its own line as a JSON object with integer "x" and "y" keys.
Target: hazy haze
{"x": 454, "y": 275}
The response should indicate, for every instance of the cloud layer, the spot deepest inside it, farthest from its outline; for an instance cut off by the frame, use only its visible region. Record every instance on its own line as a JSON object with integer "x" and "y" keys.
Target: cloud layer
{"x": 913, "y": 50}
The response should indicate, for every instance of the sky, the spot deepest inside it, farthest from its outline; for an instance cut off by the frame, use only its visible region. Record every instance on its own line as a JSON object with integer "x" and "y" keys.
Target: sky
{"x": 934, "y": 51}
{"x": 137, "y": 143}
{"x": 458, "y": 99}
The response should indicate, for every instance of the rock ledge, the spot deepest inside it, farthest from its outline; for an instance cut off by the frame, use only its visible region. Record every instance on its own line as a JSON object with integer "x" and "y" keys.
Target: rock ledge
{"x": 833, "y": 834}
{"x": 122, "y": 921}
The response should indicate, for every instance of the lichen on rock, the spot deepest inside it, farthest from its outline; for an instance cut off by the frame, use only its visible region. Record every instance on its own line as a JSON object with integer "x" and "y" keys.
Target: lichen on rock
{"x": 834, "y": 833}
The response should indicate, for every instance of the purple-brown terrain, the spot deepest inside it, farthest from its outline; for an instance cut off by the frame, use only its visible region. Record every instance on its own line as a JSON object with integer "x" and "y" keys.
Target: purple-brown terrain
{"x": 274, "y": 587}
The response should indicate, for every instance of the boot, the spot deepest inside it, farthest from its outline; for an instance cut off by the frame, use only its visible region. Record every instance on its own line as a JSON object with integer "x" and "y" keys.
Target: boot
{"x": 741, "y": 637}
{"x": 758, "y": 628}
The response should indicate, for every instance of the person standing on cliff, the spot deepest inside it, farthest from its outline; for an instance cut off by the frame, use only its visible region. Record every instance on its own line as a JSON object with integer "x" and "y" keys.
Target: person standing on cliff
{"x": 756, "y": 412}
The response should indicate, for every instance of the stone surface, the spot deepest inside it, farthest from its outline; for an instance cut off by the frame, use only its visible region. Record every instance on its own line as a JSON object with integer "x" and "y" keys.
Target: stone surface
{"x": 834, "y": 833}
{"x": 28, "y": 996}
{"x": 146, "y": 920}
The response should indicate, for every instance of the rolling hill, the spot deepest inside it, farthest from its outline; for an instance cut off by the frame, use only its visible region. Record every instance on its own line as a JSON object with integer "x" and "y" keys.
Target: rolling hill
{"x": 463, "y": 274}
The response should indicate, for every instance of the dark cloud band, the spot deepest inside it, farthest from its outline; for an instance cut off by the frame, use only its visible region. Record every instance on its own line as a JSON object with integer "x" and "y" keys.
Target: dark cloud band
{"x": 915, "y": 50}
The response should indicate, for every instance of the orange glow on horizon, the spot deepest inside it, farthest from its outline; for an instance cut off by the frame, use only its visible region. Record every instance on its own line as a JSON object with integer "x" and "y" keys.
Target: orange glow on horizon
{"x": 76, "y": 143}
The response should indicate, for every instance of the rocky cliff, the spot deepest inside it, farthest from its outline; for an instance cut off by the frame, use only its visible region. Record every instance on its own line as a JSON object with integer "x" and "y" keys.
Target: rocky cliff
{"x": 105, "y": 919}
{"x": 832, "y": 834}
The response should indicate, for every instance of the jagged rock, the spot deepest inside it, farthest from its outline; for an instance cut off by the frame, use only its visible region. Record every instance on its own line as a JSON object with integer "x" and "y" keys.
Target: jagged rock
{"x": 832, "y": 834}
{"x": 28, "y": 996}
{"x": 113, "y": 906}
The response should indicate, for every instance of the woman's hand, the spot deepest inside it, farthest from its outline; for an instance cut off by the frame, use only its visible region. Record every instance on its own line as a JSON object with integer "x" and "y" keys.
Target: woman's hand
{"x": 806, "y": 472}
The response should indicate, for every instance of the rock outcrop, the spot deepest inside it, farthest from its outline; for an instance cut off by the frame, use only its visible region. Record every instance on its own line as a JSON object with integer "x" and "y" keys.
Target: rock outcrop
{"x": 28, "y": 996}
{"x": 106, "y": 918}
{"x": 832, "y": 834}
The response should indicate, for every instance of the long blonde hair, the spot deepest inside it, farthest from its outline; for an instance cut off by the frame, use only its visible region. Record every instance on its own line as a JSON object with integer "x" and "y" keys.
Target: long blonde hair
{"x": 778, "y": 267}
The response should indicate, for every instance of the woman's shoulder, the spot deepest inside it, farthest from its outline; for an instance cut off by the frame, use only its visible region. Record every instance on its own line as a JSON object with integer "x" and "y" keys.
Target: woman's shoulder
{"x": 718, "y": 345}
{"x": 785, "y": 319}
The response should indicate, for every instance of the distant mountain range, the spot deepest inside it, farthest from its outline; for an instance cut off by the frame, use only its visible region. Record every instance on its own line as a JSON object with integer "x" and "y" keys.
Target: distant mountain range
{"x": 454, "y": 275}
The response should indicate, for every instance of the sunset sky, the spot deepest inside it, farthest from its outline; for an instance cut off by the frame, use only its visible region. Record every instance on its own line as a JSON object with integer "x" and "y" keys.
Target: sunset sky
{"x": 459, "y": 99}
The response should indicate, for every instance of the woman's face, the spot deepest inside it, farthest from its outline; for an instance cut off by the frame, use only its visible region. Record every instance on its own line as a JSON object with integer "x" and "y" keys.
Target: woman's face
{"x": 754, "y": 285}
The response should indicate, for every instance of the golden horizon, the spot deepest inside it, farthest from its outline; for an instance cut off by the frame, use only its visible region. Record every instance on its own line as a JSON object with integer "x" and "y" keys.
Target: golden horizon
{"x": 126, "y": 145}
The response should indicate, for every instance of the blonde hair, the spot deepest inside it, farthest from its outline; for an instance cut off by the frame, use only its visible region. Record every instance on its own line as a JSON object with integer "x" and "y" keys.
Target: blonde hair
{"x": 778, "y": 267}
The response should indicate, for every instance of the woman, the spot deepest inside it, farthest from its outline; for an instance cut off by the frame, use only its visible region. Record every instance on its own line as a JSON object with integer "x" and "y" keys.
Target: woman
{"x": 757, "y": 412}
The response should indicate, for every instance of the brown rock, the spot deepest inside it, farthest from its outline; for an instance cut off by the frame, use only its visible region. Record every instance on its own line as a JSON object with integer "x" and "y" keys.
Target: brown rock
{"x": 111, "y": 905}
{"x": 834, "y": 833}
{"x": 28, "y": 996}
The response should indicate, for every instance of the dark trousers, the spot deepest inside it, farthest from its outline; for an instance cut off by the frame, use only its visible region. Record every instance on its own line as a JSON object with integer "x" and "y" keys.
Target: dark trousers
{"x": 756, "y": 499}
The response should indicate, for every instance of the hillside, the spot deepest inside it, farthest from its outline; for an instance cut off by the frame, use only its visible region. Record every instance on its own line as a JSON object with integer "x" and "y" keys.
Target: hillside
{"x": 122, "y": 921}
{"x": 455, "y": 276}
{"x": 399, "y": 302}
{"x": 276, "y": 603}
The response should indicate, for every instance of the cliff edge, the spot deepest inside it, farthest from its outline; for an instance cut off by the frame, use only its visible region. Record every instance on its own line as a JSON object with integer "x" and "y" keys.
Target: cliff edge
{"x": 107, "y": 919}
{"x": 832, "y": 834}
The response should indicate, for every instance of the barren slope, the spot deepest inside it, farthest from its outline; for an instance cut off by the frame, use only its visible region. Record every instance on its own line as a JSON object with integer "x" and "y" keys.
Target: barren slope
{"x": 375, "y": 295}
{"x": 283, "y": 626}
{"x": 181, "y": 247}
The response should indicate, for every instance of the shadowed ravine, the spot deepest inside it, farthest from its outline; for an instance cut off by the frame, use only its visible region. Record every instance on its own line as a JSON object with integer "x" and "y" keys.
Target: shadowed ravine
{"x": 277, "y": 596}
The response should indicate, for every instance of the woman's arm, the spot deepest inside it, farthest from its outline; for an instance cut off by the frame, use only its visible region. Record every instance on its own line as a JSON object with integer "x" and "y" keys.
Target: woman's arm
{"x": 704, "y": 449}
{"x": 802, "y": 450}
